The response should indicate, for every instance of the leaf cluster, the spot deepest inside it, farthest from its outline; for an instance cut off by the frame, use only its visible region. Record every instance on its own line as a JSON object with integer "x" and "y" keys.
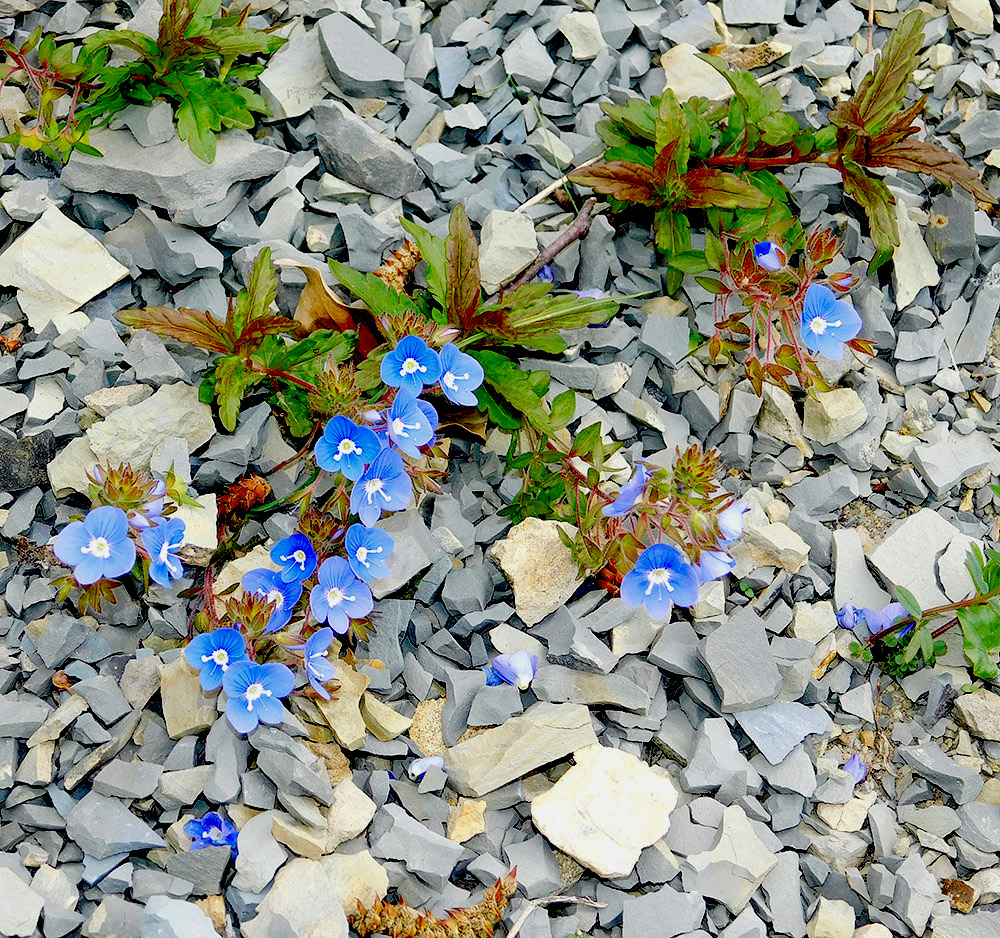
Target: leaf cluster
{"x": 254, "y": 345}
{"x": 718, "y": 158}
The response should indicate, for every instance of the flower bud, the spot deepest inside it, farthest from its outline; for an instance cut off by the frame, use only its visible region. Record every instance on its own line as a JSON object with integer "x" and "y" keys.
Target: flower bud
{"x": 769, "y": 255}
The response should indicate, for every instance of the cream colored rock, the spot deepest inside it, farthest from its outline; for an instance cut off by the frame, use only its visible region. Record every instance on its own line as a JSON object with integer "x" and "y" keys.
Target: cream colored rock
{"x": 875, "y": 930}
{"x": 687, "y": 75}
{"x": 303, "y": 901}
{"x": 847, "y": 817}
{"x": 187, "y": 709}
{"x": 605, "y": 810}
{"x": 987, "y": 885}
{"x": 507, "y": 245}
{"x": 68, "y": 471}
{"x": 343, "y": 712}
{"x": 350, "y": 814}
{"x": 356, "y": 877}
{"x": 466, "y": 819}
{"x": 539, "y": 566}
{"x": 833, "y": 918}
{"x": 583, "y": 31}
{"x": 774, "y": 545}
{"x": 302, "y": 839}
{"x": 980, "y": 712}
{"x": 831, "y": 416}
{"x": 913, "y": 264}
{"x": 384, "y": 721}
{"x": 57, "y": 266}
{"x": 131, "y": 433}
{"x": 974, "y": 15}
{"x": 813, "y": 621}
{"x": 201, "y": 530}
{"x": 106, "y": 401}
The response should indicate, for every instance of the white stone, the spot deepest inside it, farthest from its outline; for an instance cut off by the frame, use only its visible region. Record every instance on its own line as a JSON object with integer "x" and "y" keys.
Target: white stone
{"x": 987, "y": 885}
{"x": 11, "y": 403}
{"x": 913, "y": 264}
{"x": 831, "y": 416}
{"x": 688, "y": 75}
{"x": 507, "y": 245}
{"x": 357, "y": 877}
{"x": 711, "y": 602}
{"x": 583, "y": 31}
{"x": 47, "y": 400}
{"x": 201, "y": 530}
{"x": 605, "y": 810}
{"x": 57, "y": 266}
{"x": 350, "y": 814}
{"x": 834, "y": 918}
{"x": 771, "y": 545}
{"x": 131, "y": 433}
{"x": 106, "y": 401}
{"x": 974, "y": 15}
{"x": 899, "y": 445}
{"x": 813, "y": 621}
{"x": 293, "y": 80}
{"x": 68, "y": 471}
{"x": 302, "y": 901}
{"x": 849, "y": 817}
{"x": 20, "y": 908}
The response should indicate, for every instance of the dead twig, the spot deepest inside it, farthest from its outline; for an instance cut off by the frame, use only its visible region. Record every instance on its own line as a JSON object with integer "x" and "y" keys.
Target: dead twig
{"x": 550, "y": 900}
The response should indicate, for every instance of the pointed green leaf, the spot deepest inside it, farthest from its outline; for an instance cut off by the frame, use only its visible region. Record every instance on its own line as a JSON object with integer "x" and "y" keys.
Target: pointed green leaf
{"x": 464, "y": 283}
{"x": 909, "y": 601}
{"x": 432, "y": 250}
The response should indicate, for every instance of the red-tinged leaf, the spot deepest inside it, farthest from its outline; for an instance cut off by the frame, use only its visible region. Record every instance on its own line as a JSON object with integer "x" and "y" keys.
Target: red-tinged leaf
{"x": 186, "y": 325}
{"x": 706, "y": 187}
{"x": 874, "y": 197}
{"x": 463, "y": 288}
{"x": 922, "y": 156}
{"x": 901, "y": 125}
{"x": 672, "y": 129}
{"x": 253, "y": 334}
{"x": 626, "y": 182}
{"x": 861, "y": 345}
{"x": 255, "y": 301}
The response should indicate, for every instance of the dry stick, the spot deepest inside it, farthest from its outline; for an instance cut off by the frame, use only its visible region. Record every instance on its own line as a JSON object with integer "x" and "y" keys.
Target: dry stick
{"x": 550, "y": 900}
{"x": 871, "y": 23}
{"x": 542, "y": 195}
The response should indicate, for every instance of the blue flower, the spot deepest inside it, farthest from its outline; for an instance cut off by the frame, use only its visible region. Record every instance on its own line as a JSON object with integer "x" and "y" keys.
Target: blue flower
{"x": 345, "y": 447}
{"x": 151, "y": 512}
{"x": 849, "y": 616}
{"x": 545, "y": 275}
{"x": 877, "y": 620}
{"x": 856, "y": 768}
{"x": 629, "y": 494}
{"x": 319, "y": 667}
{"x": 593, "y": 294}
{"x": 384, "y": 486}
{"x": 340, "y": 596}
{"x": 297, "y": 556}
{"x": 493, "y": 678}
{"x": 212, "y": 830}
{"x": 269, "y": 585}
{"x": 98, "y": 546}
{"x": 768, "y": 255}
{"x": 518, "y": 668}
{"x": 731, "y": 520}
{"x": 418, "y": 767}
{"x": 660, "y": 579}
{"x": 213, "y": 653}
{"x": 255, "y": 692}
{"x": 410, "y": 365}
{"x": 368, "y": 549}
{"x": 827, "y": 323}
{"x": 713, "y": 565}
{"x": 406, "y": 424}
{"x": 461, "y": 374}
{"x": 162, "y": 543}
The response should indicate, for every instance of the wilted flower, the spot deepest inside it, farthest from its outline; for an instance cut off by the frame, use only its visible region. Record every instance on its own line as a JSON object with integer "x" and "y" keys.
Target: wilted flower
{"x": 384, "y": 486}
{"x": 162, "y": 543}
{"x": 296, "y": 555}
{"x": 98, "y": 546}
{"x": 546, "y": 274}
{"x": 713, "y": 565}
{"x": 856, "y": 768}
{"x": 731, "y": 520}
{"x": 406, "y": 425}
{"x": 660, "y": 579}
{"x": 368, "y": 549}
{"x": 877, "y": 620}
{"x": 592, "y": 294}
{"x": 319, "y": 668}
{"x": 345, "y": 447}
{"x": 461, "y": 374}
{"x": 629, "y": 494}
{"x": 418, "y": 767}
{"x": 410, "y": 365}
{"x": 518, "y": 668}
{"x": 150, "y": 512}
{"x": 827, "y": 323}
{"x": 269, "y": 586}
{"x": 213, "y": 653}
{"x": 769, "y": 255}
{"x": 255, "y": 692}
{"x": 339, "y": 596}
{"x": 212, "y": 830}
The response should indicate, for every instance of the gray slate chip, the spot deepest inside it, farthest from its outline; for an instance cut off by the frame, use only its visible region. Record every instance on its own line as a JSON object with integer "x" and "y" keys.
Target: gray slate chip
{"x": 103, "y": 826}
{"x": 742, "y": 667}
{"x": 930, "y": 762}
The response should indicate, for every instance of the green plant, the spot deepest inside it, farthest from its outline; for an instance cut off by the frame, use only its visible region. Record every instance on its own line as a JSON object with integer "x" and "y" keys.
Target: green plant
{"x": 715, "y": 161}
{"x": 192, "y": 64}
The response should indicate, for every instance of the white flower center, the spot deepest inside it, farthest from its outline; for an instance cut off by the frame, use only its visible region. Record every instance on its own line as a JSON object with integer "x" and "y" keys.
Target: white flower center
{"x": 299, "y": 557}
{"x": 362, "y": 554}
{"x": 214, "y": 833}
{"x": 220, "y": 656}
{"x": 411, "y": 366}
{"x": 345, "y": 448}
{"x": 659, "y": 577}
{"x": 450, "y": 380}
{"x": 99, "y": 547}
{"x": 254, "y": 692}
{"x": 399, "y": 428}
{"x": 335, "y": 596}
{"x": 275, "y": 596}
{"x": 375, "y": 487}
{"x": 819, "y": 325}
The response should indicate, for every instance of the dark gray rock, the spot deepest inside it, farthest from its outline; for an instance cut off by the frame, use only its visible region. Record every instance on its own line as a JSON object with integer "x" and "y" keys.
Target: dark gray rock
{"x": 929, "y": 762}
{"x": 24, "y": 463}
{"x": 428, "y": 855}
{"x": 103, "y": 827}
{"x": 665, "y": 912}
{"x": 742, "y": 667}
{"x": 203, "y": 868}
{"x": 358, "y": 62}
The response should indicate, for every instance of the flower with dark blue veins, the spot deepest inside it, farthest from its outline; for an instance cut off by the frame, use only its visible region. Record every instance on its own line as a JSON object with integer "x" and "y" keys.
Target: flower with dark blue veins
{"x": 319, "y": 668}
{"x": 407, "y": 425}
{"x": 661, "y": 579}
{"x": 339, "y": 596}
{"x": 546, "y": 274}
{"x": 345, "y": 447}
{"x": 213, "y": 653}
{"x": 383, "y": 486}
{"x": 461, "y": 374}
{"x": 713, "y": 565}
{"x": 162, "y": 543}
{"x": 98, "y": 546}
{"x": 493, "y": 678}
{"x": 731, "y": 520}
{"x": 418, "y": 768}
{"x": 212, "y": 830}
{"x": 856, "y": 768}
{"x": 769, "y": 255}
{"x": 518, "y": 668}
{"x": 296, "y": 555}
{"x": 269, "y": 585}
{"x": 368, "y": 549}
{"x": 254, "y": 693}
{"x": 628, "y": 494}
{"x": 411, "y": 365}
{"x": 827, "y": 323}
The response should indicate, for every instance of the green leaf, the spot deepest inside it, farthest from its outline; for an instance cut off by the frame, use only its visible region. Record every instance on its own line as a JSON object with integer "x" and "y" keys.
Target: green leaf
{"x": 691, "y": 262}
{"x": 712, "y": 285}
{"x": 631, "y": 153}
{"x": 294, "y": 401}
{"x": 636, "y": 116}
{"x": 232, "y": 380}
{"x": 521, "y": 390}
{"x": 463, "y": 283}
{"x": 672, "y": 128}
{"x": 874, "y": 197}
{"x": 254, "y": 302}
{"x": 563, "y": 408}
{"x": 498, "y": 410}
{"x": 909, "y": 601}
{"x": 704, "y": 186}
{"x": 380, "y": 298}
{"x": 186, "y": 325}
{"x": 981, "y": 635}
{"x": 432, "y": 250}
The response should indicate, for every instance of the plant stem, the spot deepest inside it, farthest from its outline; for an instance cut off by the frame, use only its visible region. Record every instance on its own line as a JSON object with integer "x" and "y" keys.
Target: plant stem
{"x": 936, "y": 611}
